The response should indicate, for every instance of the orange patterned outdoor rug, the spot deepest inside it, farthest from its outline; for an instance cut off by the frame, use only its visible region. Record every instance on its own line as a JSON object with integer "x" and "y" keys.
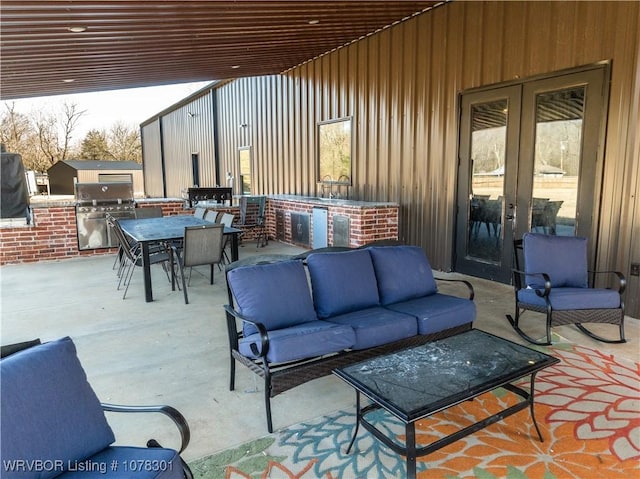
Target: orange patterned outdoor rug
{"x": 587, "y": 407}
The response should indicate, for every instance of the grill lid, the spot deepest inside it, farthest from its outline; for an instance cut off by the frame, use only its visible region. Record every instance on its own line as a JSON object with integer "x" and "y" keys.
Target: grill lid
{"x": 102, "y": 193}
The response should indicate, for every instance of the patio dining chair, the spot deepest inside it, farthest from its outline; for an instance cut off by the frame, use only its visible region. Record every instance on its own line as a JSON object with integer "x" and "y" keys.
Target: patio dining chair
{"x": 202, "y": 245}
{"x": 551, "y": 278}
{"x": 132, "y": 258}
{"x": 252, "y": 218}
{"x": 211, "y": 216}
{"x": 227, "y": 220}
{"x": 199, "y": 212}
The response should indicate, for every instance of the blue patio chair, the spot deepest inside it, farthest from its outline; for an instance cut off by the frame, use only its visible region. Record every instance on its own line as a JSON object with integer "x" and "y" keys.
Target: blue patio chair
{"x": 53, "y": 420}
{"x": 556, "y": 282}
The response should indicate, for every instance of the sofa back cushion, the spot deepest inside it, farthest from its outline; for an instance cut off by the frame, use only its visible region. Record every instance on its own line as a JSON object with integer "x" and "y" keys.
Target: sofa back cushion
{"x": 275, "y": 294}
{"x": 342, "y": 282}
{"x": 403, "y": 273}
{"x": 563, "y": 258}
{"x": 49, "y": 411}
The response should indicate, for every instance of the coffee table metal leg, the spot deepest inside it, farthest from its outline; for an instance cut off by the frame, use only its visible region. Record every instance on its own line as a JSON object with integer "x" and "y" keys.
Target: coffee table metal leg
{"x": 533, "y": 416}
{"x": 358, "y": 416}
{"x": 410, "y": 444}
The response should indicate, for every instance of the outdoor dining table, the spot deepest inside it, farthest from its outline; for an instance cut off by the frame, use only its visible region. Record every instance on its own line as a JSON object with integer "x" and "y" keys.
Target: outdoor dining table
{"x": 147, "y": 231}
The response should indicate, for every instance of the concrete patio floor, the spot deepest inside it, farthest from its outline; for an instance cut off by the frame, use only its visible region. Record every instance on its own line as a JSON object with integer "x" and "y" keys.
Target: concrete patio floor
{"x": 167, "y": 352}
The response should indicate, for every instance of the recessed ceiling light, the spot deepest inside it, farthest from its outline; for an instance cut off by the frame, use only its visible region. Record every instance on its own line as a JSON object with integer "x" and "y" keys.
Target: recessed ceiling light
{"x": 78, "y": 29}
{"x": 68, "y": 80}
{"x": 235, "y": 67}
{"x": 314, "y": 22}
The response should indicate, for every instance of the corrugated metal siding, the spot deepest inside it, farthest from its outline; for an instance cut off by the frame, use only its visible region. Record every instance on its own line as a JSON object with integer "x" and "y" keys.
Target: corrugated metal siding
{"x": 152, "y": 159}
{"x": 188, "y": 130}
{"x": 401, "y": 87}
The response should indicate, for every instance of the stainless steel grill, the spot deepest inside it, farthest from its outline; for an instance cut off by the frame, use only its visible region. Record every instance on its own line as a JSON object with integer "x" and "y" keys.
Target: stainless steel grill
{"x": 93, "y": 202}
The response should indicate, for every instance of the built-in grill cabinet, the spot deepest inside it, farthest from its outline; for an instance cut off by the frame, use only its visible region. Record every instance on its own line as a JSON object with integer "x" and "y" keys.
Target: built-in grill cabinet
{"x": 93, "y": 202}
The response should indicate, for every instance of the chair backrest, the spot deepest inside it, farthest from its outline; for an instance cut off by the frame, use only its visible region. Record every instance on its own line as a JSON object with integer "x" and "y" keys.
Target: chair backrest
{"x": 211, "y": 216}
{"x": 227, "y": 219}
{"x": 50, "y": 412}
{"x": 199, "y": 212}
{"x": 203, "y": 244}
{"x": 252, "y": 210}
{"x": 563, "y": 258}
{"x": 127, "y": 243}
{"x": 150, "y": 212}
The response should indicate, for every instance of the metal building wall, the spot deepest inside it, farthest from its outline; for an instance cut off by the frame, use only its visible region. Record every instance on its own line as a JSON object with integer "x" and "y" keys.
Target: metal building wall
{"x": 152, "y": 159}
{"x": 187, "y": 130}
{"x": 176, "y": 134}
{"x": 401, "y": 87}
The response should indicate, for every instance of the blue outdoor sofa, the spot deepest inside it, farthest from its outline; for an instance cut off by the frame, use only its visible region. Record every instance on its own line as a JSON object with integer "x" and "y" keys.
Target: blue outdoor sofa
{"x": 293, "y": 319}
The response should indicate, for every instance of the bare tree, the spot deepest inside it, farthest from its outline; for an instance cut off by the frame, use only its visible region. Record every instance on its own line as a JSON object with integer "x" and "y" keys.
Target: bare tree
{"x": 55, "y": 132}
{"x": 18, "y": 134}
{"x": 124, "y": 143}
{"x": 42, "y": 138}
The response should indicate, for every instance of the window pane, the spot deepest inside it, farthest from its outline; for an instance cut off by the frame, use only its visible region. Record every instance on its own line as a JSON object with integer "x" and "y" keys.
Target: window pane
{"x": 334, "y": 151}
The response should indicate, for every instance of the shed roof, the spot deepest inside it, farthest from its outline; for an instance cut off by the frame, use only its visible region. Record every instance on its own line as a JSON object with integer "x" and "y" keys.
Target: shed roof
{"x": 102, "y": 165}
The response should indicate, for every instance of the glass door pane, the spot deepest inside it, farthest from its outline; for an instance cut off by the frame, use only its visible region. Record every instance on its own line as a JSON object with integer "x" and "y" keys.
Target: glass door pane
{"x": 488, "y": 147}
{"x": 557, "y": 158}
{"x": 489, "y": 129}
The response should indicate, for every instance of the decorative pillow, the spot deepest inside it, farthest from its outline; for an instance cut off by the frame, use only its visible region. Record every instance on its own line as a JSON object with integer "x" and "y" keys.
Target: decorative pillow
{"x": 403, "y": 273}
{"x": 342, "y": 282}
{"x": 50, "y": 415}
{"x": 563, "y": 258}
{"x": 275, "y": 294}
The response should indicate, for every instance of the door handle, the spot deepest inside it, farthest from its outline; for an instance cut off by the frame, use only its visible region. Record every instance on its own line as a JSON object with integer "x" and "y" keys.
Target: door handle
{"x": 510, "y": 216}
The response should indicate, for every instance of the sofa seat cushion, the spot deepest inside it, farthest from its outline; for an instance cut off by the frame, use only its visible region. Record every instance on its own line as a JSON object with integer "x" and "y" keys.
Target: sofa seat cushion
{"x": 276, "y": 295}
{"x": 49, "y": 411}
{"x": 437, "y": 312}
{"x": 573, "y": 298}
{"x": 128, "y": 462}
{"x": 377, "y": 326}
{"x": 342, "y": 282}
{"x": 314, "y": 338}
{"x": 402, "y": 272}
{"x": 563, "y": 258}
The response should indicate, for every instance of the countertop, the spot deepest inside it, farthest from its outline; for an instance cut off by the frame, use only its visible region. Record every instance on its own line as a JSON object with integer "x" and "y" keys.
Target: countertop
{"x": 328, "y": 202}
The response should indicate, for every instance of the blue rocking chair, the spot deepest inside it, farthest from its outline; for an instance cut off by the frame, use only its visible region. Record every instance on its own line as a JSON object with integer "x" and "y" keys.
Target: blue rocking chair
{"x": 556, "y": 282}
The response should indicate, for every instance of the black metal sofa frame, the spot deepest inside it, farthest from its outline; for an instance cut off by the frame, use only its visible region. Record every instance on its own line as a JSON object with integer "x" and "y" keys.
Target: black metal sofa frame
{"x": 281, "y": 377}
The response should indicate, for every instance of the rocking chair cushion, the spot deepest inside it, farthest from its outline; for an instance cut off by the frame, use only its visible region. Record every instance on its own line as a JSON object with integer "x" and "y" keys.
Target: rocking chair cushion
{"x": 567, "y": 299}
{"x": 563, "y": 258}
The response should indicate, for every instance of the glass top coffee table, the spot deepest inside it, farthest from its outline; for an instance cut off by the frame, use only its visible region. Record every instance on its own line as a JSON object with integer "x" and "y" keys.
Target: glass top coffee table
{"x": 417, "y": 382}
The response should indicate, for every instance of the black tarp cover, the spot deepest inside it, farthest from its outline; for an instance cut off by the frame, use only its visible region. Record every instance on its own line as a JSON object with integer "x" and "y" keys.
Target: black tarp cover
{"x": 14, "y": 201}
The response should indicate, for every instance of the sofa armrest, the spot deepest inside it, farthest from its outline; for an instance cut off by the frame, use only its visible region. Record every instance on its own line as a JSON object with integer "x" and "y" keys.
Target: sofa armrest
{"x": 469, "y": 286}
{"x": 175, "y": 415}
{"x": 264, "y": 335}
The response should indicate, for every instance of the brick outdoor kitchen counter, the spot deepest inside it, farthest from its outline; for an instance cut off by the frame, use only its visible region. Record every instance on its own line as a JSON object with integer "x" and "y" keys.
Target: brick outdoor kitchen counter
{"x": 53, "y": 235}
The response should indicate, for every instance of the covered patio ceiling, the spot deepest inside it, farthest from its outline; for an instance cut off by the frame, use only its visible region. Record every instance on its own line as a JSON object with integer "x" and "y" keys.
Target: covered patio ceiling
{"x": 51, "y": 47}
